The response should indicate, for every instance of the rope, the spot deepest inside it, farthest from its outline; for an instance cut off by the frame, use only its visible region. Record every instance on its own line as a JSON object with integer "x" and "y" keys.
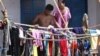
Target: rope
{"x": 2, "y": 5}
{"x": 94, "y": 26}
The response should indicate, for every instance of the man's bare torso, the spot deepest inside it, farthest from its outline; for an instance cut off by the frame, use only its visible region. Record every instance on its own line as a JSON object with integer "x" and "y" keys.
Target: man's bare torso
{"x": 44, "y": 20}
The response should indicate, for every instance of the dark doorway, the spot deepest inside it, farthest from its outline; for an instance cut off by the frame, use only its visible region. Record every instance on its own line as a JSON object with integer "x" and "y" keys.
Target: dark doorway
{"x": 30, "y": 8}
{"x": 77, "y": 8}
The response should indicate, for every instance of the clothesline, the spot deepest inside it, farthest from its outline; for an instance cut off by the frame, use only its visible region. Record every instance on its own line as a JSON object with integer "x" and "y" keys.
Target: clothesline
{"x": 27, "y": 25}
{"x": 94, "y": 26}
{"x": 55, "y": 28}
{"x": 72, "y": 37}
{"x": 55, "y": 39}
{"x": 62, "y": 33}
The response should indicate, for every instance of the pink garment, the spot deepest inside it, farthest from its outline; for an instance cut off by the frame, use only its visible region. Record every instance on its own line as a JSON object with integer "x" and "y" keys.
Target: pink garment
{"x": 37, "y": 35}
{"x": 66, "y": 16}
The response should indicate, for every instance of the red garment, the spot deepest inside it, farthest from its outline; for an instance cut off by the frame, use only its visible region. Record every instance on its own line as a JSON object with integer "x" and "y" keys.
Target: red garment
{"x": 63, "y": 47}
{"x": 74, "y": 47}
{"x": 50, "y": 47}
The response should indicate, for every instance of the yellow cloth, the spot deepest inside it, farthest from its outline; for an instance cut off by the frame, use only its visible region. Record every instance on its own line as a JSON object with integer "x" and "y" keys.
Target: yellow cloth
{"x": 34, "y": 51}
{"x": 94, "y": 41}
{"x": 47, "y": 51}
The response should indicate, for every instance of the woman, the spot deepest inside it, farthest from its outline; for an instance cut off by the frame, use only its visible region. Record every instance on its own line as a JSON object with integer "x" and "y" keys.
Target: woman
{"x": 62, "y": 15}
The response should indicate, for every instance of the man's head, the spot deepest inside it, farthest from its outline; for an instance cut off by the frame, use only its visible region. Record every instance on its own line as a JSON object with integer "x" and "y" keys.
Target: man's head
{"x": 48, "y": 9}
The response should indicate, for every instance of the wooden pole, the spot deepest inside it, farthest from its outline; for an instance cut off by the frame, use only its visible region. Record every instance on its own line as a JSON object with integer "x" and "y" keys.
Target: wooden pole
{"x": 6, "y": 29}
{"x": 6, "y": 33}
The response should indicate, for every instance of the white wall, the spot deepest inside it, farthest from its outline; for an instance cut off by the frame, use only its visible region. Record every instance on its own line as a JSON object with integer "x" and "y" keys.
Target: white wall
{"x": 94, "y": 12}
{"x": 51, "y": 2}
{"x": 13, "y": 7}
{"x": 98, "y": 13}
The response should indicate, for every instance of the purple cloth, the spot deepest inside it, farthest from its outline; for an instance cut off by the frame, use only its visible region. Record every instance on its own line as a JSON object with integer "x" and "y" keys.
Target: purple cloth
{"x": 66, "y": 15}
{"x": 36, "y": 34}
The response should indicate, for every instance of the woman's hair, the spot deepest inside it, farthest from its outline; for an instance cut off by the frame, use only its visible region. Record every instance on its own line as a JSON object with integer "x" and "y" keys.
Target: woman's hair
{"x": 63, "y": 1}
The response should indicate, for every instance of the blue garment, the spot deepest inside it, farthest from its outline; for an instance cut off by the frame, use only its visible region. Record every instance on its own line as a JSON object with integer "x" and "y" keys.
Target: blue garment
{"x": 92, "y": 31}
{"x": 78, "y": 30}
{"x": 86, "y": 45}
{"x": 46, "y": 36}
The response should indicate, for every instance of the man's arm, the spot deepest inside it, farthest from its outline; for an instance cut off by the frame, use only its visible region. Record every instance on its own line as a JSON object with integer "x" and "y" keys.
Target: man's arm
{"x": 35, "y": 20}
{"x": 54, "y": 22}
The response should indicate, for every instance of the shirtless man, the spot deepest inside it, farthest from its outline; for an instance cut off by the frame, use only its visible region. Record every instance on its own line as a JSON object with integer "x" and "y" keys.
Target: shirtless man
{"x": 45, "y": 18}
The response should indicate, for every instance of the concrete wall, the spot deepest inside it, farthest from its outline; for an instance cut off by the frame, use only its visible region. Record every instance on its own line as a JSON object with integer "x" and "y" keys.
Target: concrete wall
{"x": 94, "y": 12}
{"x": 98, "y": 13}
{"x": 51, "y": 2}
{"x": 13, "y": 7}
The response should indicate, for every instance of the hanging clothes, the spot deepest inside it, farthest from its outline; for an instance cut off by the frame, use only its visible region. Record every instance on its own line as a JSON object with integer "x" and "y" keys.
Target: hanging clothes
{"x": 79, "y": 30}
{"x": 94, "y": 39}
{"x": 63, "y": 47}
{"x": 36, "y": 34}
{"x": 34, "y": 50}
{"x": 80, "y": 47}
{"x": 86, "y": 47}
{"x": 74, "y": 45}
{"x": 63, "y": 43}
{"x": 46, "y": 36}
{"x": 51, "y": 46}
{"x": 15, "y": 49}
{"x": 57, "y": 44}
{"x": 21, "y": 33}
